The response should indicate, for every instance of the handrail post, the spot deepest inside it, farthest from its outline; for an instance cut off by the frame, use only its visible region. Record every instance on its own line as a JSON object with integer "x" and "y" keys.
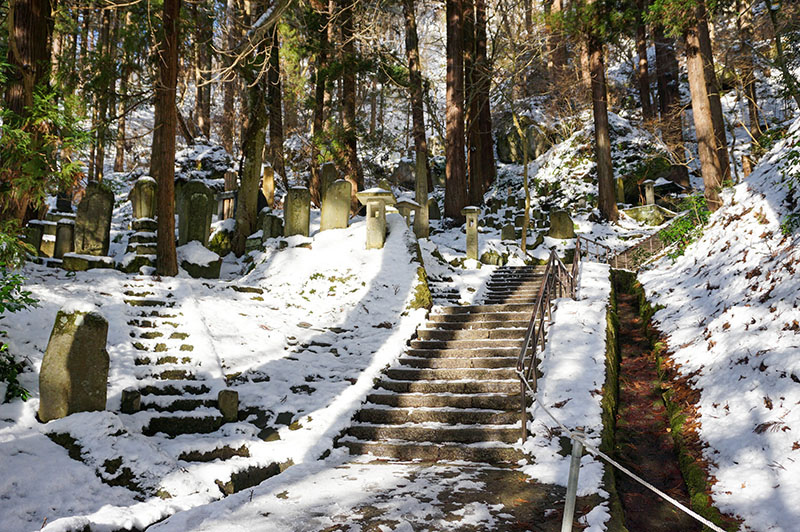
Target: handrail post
{"x": 524, "y": 409}
{"x": 572, "y": 484}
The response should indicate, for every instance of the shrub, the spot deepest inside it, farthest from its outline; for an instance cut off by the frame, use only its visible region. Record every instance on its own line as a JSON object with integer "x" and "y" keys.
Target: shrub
{"x": 688, "y": 228}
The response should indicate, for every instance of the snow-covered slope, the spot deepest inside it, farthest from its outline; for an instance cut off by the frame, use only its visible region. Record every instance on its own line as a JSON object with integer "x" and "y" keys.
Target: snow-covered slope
{"x": 731, "y": 318}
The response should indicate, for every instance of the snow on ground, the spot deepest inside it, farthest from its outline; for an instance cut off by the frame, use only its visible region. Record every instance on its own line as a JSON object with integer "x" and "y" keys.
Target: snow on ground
{"x": 731, "y": 320}
{"x": 573, "y": 367}
{"x": 332, "y": 315}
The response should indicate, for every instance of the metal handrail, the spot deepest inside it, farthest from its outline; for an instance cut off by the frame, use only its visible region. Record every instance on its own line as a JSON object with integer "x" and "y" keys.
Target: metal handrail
{"x": 557, "y": 280}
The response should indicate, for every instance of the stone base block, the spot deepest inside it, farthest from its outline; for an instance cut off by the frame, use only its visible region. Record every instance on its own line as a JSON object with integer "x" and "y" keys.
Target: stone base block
{"x": 75, "y": 262}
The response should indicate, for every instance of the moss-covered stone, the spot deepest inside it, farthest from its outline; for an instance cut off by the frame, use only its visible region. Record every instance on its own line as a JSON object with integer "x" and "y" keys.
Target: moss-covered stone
{"x": 221, "y": 243}
{"x": 422, "y": 293}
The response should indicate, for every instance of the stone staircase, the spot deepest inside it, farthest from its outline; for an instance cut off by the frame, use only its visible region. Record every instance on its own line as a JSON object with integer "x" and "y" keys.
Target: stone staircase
{"x": 141, "y": 250}
{"x": 454, "y": 394}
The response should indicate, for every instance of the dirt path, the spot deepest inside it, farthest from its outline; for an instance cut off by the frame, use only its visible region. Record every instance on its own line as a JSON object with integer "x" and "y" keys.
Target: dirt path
{"x": 643, "y": 441}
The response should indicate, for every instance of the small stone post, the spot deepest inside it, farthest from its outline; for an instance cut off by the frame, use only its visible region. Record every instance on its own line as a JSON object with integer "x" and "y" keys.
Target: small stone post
{"x": 376, "y": 200}
{"x": 472, "y": 230}
{"x": 74, "y": 374}
{"x": 228, "y": 404}
{"x": 336, "y": 205}
{"x": 620, "y": 190}
{"x": 268, "y": 184}
{"x": 65, "y": 238}
{"x": 649, "y": 192}
{"x": 406, "y": 207}
{"x": 297, "y": 211}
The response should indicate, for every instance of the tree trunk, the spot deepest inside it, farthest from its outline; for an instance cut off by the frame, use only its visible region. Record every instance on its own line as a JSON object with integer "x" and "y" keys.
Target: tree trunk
{"x": 354, "y": 174}
{"x": 474, "y": 164}
{"x": 704, "y": 127}
{"x": 483, "y": 76}
{"x": 164, "y": 142}
{"x": 318, "y": 118}
{"x": 642, "y": 70}
{"x": 276, "y": 109}
{"x": 557, "y": 49}
{"x": 455, "y": 196}
{"x": 203, "y": 41}
{"x": 229, "y": 86}
{"x": 29, "y": 67}
{"x": 747, "y": 66}
{"x": 119, "y": 156}
{"x": 717, "y": 118}
{"x": 669, "y": 105}
{"x": 107, "y": 46}
{"x": 788, "y": 79}
{"x": 605, "y": 173}
{"x": 418, "y": 117}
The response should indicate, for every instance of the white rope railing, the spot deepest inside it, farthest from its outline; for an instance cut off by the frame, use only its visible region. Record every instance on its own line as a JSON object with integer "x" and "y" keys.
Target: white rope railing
{"x": 580, "y": 438}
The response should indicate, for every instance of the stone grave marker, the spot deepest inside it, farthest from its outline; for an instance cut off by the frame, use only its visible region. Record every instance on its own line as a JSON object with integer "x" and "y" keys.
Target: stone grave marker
{"x": 336, "y": 205}
{"x": 561, "y": 225}
{"x": 93, "y": 220}
{"x": 297, "y": 211}
{"x": 74, "y": 374}
{"x": 65, "y": 238}
{"x": 471, "y": 214}
{"x": 194, "y": 212}
{"x": 144, "y": 197}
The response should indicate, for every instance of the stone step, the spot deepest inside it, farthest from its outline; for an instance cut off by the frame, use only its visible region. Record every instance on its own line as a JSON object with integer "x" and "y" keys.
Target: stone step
{"x": 471, "y": 309}
{"x": 492, "y": 284}
{"x": 431, "y": 452}
{"x": 504, "y": 386}
{"x": 480, "y": 317}
{"x": 464, "y": 344}
{"x": 144, "y": 225}
{"x": 494, "y": 300}
{"x": 183, "y": 424}
{"x": 171, "y": 372}
{"x": 418, "y": 400}
{"x": 143, "y": 237}
{"x": 177, "y": 387}
{"x": 457, "y": 416}
{"x": 435, "y": 434}
{"x": 435, "y": 374}
{"x": 224, "y": 452}
{"x": 482, "y": 352}
{"x": 163, "y": 360}
{"x": 513, "y": 291}
{"x": 142, "y": 249}
{"x": 476, "y": 325}
{"x": 451, "y": 362}
{"x": 176, "y": 403}
{"x": 148, "y": 302}
{"x": 471, "y": 334}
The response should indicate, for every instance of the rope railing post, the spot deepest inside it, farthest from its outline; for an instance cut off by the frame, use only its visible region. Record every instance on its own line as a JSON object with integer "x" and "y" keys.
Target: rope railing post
{"x": 572, "y": 483}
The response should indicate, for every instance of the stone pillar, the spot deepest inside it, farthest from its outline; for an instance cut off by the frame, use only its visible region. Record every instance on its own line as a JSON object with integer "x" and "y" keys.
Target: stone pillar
{"x": 93, "y": 220}
{"x": 144, "y": 197}
{"x": 296, "y": 211}
{"x": 620, "y": 189}
{"x": 33, "y": 235}
{"x": 268, "y": 185}
{"x": 328, "y": 175}
{"x": 471, "y": 214}
{"x": 74, "y": 374}
{"x": 271, "y": 227}
{"x": 376, "y": 200}
{"x": 406, "y": 207}
{"x": 65, "y": 238}
{"x": 336, "y": 205}
{"x": 649, "y": 192}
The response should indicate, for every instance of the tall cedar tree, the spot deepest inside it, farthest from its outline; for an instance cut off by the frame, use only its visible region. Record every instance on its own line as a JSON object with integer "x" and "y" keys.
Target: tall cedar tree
{"x": 30, "y": 28}
{"x": 163, "y": 152}
{"x": 455, "y": 195}
{"x": 353, "y": 172}
{"x": 275, "y": 106}
{"x": 707, "y": 148}
{"x": 418, "y": 119}
{"x": 642, "y": 68}
{"x": 483, "y": 80}
{"x": 320, "y": 8}
{"x": 669, "y": 104}
{"x": 254, "y": 131}
{"x": 474, "y": 178}
{"x": 744, "y": 23}
{"x": 597, "y": 71}
{"x": 203, "y": 44}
